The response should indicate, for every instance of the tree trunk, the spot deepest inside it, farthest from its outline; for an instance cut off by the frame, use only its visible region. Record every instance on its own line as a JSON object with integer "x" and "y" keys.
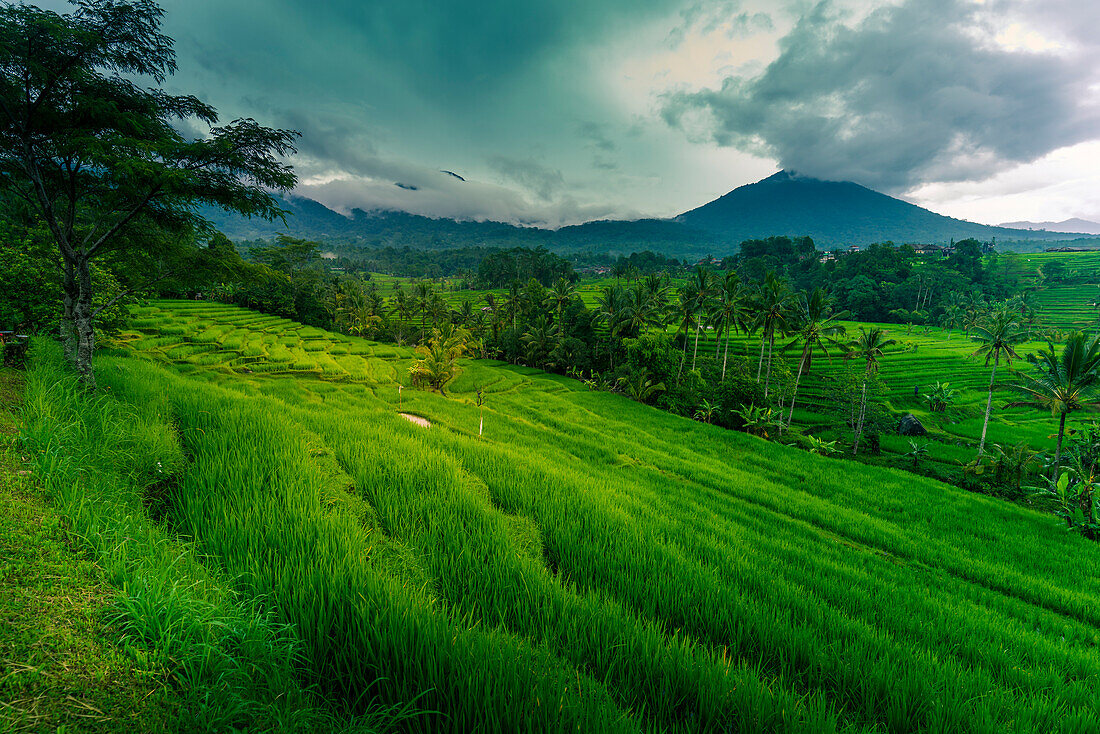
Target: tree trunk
{"x": 683, "y": 358}
{"x": 988, "y": 406}
{"x": 1058, "y": 449}
{"x": 760, "y": 364}
{"x": 862, "y": 413}
{"x": 82, "y": 319}
{"x": 794, "y": 394}
{"x": 695, "y": 353}
{"x": 771, "y": 350}
{"x": 726, "y": 353}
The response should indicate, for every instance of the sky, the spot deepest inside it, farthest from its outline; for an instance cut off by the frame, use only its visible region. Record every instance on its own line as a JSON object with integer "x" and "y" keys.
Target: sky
{"x": 553, "y": 112}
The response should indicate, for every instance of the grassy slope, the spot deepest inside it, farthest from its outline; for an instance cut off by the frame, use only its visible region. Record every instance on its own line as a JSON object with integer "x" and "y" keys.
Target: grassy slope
{"x": 60, "y": 668}
{"x": 592, "y": 562}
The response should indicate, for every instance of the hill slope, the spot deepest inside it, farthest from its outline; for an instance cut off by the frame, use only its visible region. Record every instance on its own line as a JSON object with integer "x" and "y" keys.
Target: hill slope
{"x": 593, "y": 563}
{"x": 311, "y": 219}
{"x": 1068, "y": 226}
{"x": 834, "y": 214}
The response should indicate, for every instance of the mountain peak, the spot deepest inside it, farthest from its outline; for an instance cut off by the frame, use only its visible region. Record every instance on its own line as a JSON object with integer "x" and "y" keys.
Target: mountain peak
{"x": 833, "y": 213}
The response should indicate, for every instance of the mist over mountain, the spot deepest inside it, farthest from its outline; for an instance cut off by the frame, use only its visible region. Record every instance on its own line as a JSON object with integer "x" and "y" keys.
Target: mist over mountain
{"x": 835, "y": 214}
{"x": 1074, "y": 225}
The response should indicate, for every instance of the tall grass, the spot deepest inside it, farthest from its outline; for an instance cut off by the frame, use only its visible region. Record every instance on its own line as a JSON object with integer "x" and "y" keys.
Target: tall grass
{"x": 108, "y": 467}
{"x": 591, "y": 563}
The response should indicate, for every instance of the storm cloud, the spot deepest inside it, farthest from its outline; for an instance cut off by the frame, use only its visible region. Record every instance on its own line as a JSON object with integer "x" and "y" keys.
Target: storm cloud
{"x": 925, "y": 90}
{"x": 554, "y": 111}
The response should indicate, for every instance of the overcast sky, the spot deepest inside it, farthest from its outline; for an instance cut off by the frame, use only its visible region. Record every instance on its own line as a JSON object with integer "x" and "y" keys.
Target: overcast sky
{"x": 558, "y": 111}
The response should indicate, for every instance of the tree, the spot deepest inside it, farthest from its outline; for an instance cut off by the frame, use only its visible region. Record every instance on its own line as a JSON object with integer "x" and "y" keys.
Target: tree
{"x": 815, "y": 328}
{"x": 868, "y": 346}
{"x": 1063, "y": 382}
{"x": 686, "y": 318}
{"x": 438, "y": 358}
{"x": 561, "y": 293}
{"x": 731, "y": 310}
{"x": 772, "y": 311}
{"x": 95, "y": 156}
{"x": 998, "y": 335}
{"x": 706, "y": 410}
{"x": 610, "y": 307}
{"x": 640, "y": 387}
{"x": 940, "y": 396}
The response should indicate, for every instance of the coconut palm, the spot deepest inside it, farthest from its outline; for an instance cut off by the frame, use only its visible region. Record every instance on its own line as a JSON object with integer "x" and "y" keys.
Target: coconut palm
{"x": 438, "y": 358}
{"x": 702, "y": 286}
{"x": 541, "y": 339}
{"x": 1063, "y": 382}
{"x": 731, "y": 310}
{"x": 560, "y": 296}
{"x": 686, "y": 317}
{"x": 641, "y": 311}
{"x": 513, "y": 302}
{"x": 998, "y": 336}
{"x": 815, "y": 329}
{"x": 640, "y": 387}
{"x": 610, "y": 307}
{"x": 772, "y": 312}
{"x": 869, "y": 346}
{"x": 659, "y": 290}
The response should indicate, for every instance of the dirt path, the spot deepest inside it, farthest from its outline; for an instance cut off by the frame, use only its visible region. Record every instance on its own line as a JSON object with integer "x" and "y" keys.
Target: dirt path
{"x": 416, "y": 419}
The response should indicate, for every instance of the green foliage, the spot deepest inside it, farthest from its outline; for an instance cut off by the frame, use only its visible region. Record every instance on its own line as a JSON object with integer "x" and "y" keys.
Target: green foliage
{"x": 104, "y": 465}
{"x": 940, "y": 397}
{"x": 640, "y": 571}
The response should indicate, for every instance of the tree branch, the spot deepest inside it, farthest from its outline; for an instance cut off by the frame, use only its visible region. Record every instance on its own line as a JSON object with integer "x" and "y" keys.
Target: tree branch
{"x": 129, "y": 291}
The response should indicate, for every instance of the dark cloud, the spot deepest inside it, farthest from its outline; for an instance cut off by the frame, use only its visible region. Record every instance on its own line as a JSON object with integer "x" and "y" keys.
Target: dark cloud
{"x": 596, "y": 136}
{"x": 914, "y": 92}
{"x": 726, "y": 15}
{"x": 540, "y": 180}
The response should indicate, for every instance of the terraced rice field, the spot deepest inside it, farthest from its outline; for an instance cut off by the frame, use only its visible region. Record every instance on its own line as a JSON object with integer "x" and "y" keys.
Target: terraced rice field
{"x": 1067, "y": 306}
{"x": 917, "y": 362}
{"x": 594, "y": 564}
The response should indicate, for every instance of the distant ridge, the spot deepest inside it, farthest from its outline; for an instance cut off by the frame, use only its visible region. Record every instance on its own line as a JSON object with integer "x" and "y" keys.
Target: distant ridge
{"x": 833, "y": 213}
{"x": 1068, "y": 226}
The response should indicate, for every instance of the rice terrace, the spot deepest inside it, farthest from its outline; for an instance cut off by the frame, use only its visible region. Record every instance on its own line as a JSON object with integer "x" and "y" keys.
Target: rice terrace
{"x": 336, "y": 427}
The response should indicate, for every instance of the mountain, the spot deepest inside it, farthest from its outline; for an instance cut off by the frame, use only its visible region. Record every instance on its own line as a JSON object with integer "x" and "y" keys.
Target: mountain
{"x": 834, "y": 213}
{"x": 311, "y": 219}
{"x": 1069, "y": 226}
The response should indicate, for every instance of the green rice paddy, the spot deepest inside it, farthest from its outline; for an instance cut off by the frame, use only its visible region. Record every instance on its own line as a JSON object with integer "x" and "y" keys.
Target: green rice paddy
{"x": 593, "y": 564}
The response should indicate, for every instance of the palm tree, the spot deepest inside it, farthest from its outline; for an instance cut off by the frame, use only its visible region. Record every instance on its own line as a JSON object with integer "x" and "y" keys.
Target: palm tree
{"x": 560, "y": 295}
{"x": 438, "y": 358}
{"x": 1063, "y": 382}
{"x": 702, "y": 282}
{"x": 816, "y": 328}
{"x": 658, "y": 288}
{"x": 868, "y": 346}
{"x": 512, "y": 302}
{"x": 998, "y": 337}
{"x": 422, "y": 297}
{"x": 641, "y": 311}
{"x": 731, "y": 310}
{"x": 706, "y": 410}
{"x": 772, "y": 309}
{"x": 685, "y": 316}
{"x": 610, "y": 305}
{"x": 541, "y": 339}
{"x": 640, "y": 387}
